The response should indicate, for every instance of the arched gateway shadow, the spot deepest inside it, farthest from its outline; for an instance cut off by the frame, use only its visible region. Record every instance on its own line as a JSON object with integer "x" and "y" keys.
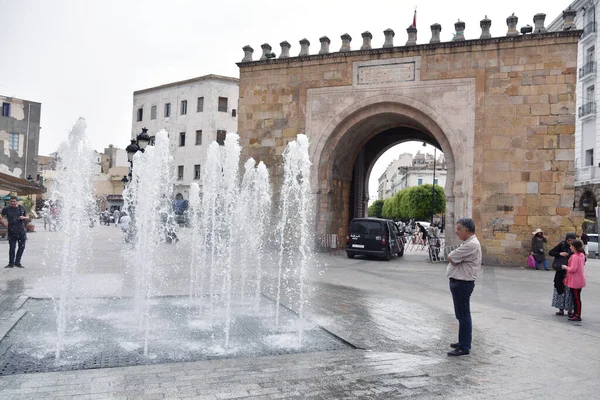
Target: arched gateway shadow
{"x": 351, "y": 143}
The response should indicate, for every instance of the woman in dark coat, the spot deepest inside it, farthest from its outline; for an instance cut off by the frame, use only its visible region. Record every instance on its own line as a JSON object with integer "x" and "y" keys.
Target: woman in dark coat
{"x": 562, "y": 298}
{"x": 537, "y": 248}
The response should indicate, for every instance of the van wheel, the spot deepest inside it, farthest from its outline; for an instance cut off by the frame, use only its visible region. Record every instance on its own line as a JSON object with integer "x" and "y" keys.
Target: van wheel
{"x": 388, "y": 255}
{"x": 350, "y": 255}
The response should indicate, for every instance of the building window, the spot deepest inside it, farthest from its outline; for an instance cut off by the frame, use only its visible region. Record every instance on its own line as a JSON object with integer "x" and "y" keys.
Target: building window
{"x": 198, "y": 138}
{"x": 200, "y": 106}
{"x": 419, "y": 181}
{"x": 589, "y": 157}
{"x": 182, "y": 139}
{"x": 221, "y": 137}
{"x": 6, "y": 109}
{"x": 153, "y": 112}
{"x": 140, "y": 114}
{"x": 590, "y": 94}
{"x": 591, "y": 54}
{"x": 223, "y": 104}
{"x": 183, "y": 107}
{"x": 13, "y": 142}
{"x": 435, "y": 181}
{"x": 167, "y": 110}
{"x": 234, "y": 112}
{"x": 197, "y": 171}
{"x": 180, "y": 173}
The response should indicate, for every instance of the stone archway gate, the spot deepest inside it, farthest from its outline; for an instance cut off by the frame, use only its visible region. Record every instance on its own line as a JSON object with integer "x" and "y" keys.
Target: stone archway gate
{"x": 501, "y": 109}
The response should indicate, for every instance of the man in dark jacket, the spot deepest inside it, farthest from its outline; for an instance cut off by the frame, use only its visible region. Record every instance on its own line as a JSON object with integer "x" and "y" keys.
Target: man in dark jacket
{"x": 16, "y": 218}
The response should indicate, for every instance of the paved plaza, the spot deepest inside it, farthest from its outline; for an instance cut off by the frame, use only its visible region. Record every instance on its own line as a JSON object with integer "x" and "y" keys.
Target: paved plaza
{"x": 397, "y": 314}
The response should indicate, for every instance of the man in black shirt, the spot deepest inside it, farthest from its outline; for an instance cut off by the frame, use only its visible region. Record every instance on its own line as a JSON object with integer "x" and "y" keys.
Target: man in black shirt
{"x": 16, "y": 218}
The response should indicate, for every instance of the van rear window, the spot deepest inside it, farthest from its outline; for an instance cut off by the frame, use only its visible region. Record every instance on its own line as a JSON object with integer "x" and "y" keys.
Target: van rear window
{"x": 366, "y": 227}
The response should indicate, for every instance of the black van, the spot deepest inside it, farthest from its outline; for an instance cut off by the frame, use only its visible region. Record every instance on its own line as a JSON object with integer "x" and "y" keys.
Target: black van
{"x": 374, "y": 237}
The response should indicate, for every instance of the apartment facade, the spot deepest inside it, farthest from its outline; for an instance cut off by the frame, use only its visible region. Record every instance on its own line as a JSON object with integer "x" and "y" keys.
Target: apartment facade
{"x": 19, "y": 136}
{"x": 408, "y": 171}
{"x": 587, "y": 126}
{"x": 194, "y": 112}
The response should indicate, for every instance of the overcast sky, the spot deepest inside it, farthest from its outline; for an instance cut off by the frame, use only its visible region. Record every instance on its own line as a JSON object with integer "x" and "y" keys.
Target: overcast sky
{"x": 84, "y": 58}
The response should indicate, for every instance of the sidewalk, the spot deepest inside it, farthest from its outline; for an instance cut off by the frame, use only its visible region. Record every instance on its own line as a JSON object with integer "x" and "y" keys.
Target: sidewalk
{"x": 399, "y": 315}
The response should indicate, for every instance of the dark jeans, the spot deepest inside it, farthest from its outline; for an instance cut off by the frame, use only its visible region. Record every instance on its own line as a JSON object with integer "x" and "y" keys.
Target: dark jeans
{"x": 461, "y": 296}
{"x": 577, "y": 301}
{"x": 13, "y": 239}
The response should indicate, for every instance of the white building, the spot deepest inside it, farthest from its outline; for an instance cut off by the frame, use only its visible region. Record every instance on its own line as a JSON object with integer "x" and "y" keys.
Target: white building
{"x": 194, "y": 112}
{"x": 587, "y": 126}
{"x": 389, "y": 180}
{"x": 408, "y": 171}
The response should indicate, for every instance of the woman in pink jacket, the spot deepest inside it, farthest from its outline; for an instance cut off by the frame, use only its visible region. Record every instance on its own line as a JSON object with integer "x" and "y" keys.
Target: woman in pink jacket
{"x": 575, "y": 279}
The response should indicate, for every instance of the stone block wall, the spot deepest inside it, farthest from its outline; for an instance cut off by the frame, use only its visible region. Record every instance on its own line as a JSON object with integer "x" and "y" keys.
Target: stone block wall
{"x": 522, "y": 149}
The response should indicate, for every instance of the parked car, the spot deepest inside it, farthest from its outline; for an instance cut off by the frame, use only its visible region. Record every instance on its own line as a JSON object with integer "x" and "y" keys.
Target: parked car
{"x": 593, "y": 243}
{"x": 374, "y": 237}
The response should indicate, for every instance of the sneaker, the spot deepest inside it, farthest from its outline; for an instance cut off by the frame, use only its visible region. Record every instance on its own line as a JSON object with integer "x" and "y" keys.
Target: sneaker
{"x": 561, "y": 312}
{"x": 570, "y": 314}
{"x": 454, "y": 345}
{"x": 458, "y": 352}
{"x": 9, "y": 266}
{"x": 575, "y": 318}
{"x": 19, "y": 265}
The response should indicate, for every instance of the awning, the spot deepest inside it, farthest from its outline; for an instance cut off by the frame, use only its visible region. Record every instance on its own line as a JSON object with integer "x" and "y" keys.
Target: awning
{"x": 18, "y": 185}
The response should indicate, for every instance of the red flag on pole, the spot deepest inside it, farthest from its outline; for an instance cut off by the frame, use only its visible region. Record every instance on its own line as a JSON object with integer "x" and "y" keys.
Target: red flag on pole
{"x": 415, "y": 19}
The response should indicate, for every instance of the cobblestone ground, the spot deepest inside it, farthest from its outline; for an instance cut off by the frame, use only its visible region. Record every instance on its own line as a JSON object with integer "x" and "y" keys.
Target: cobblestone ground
{"x": 399, "y": 315}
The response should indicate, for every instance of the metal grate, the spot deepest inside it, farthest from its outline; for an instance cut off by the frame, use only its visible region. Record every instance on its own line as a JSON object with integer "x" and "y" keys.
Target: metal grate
{"x": 29, "y": 347}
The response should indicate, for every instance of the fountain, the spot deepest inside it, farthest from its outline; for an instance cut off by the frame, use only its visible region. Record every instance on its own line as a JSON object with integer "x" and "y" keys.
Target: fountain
{"x": 73, "y": 193}
{"x": 234, "y": 285}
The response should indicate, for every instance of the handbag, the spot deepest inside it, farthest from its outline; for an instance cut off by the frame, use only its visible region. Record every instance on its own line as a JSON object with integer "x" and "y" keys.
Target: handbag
{"x": 531, "y": 262}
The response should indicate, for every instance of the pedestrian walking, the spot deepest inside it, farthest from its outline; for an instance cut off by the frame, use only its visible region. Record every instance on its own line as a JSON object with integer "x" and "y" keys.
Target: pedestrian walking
{"x": 15, "y": 222}
{"x": 575, "y": 279}
{"x": 561, "y": 298}
{"x": 464, "y": 265}
{"x": 116, "y": 216}
{"x": 537, "y": 248}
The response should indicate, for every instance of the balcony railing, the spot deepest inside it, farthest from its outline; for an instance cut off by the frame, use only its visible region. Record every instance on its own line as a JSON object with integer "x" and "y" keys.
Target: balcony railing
{"x": 587, "y": 173}
{"x": 588, "y": 29}
{"x": 587, "y": 109}
{"x": 587, "y": 69}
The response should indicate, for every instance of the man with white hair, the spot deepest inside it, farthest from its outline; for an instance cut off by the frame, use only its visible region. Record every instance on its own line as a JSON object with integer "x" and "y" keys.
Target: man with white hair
{"x": 464, "y": 265}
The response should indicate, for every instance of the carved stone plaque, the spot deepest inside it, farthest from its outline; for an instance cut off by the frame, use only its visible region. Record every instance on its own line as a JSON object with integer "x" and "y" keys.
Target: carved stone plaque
{"x": 386, "y": 73}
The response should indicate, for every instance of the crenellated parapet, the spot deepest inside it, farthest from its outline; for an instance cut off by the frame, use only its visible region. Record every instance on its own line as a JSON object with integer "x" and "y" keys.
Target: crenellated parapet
{"x": 459, "y": 38}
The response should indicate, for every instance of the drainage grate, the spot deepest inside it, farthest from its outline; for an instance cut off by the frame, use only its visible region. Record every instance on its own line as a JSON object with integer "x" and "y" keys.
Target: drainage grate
{"x": 106, "y": 333}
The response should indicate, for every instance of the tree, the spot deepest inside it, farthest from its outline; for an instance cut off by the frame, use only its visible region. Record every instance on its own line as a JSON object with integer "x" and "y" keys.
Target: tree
{"x": 376, "y": 208}
{"x": 416, "y": 202}
{"x": 386, "y": 210}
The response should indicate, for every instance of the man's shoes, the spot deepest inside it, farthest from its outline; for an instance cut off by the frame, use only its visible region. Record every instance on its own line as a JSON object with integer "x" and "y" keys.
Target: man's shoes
{"x": 9, "y": 266}
{"x": 560, "y": 313}
{"x": 454, "y": 345}
{"x": 458, "y": 352}
{"x": 575, "y": 318}
{"x": 19, "y": 265}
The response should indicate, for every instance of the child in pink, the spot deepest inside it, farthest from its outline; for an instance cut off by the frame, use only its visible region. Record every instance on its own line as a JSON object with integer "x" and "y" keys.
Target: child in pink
{"x": 575, "y": 279}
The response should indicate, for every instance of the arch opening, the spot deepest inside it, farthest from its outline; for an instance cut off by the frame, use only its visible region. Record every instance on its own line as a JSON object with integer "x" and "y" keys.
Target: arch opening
{"x": 352, "y": 149}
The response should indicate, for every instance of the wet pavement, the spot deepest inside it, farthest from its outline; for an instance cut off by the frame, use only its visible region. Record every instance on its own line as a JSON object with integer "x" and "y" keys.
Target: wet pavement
{"x": 398, "y": 314}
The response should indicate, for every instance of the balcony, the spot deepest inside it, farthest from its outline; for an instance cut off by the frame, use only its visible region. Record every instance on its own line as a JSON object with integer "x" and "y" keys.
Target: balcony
{"x": 587, "y": 173}
{"x": 588, "y": 70}
{"x": 589, "y": 30}
{"x": 588, "y": 109}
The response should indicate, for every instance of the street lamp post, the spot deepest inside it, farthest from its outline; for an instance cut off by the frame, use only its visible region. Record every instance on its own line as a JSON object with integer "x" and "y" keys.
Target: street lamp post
{"x": 433, "y": 186}
{"x": 138, "y": 144}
